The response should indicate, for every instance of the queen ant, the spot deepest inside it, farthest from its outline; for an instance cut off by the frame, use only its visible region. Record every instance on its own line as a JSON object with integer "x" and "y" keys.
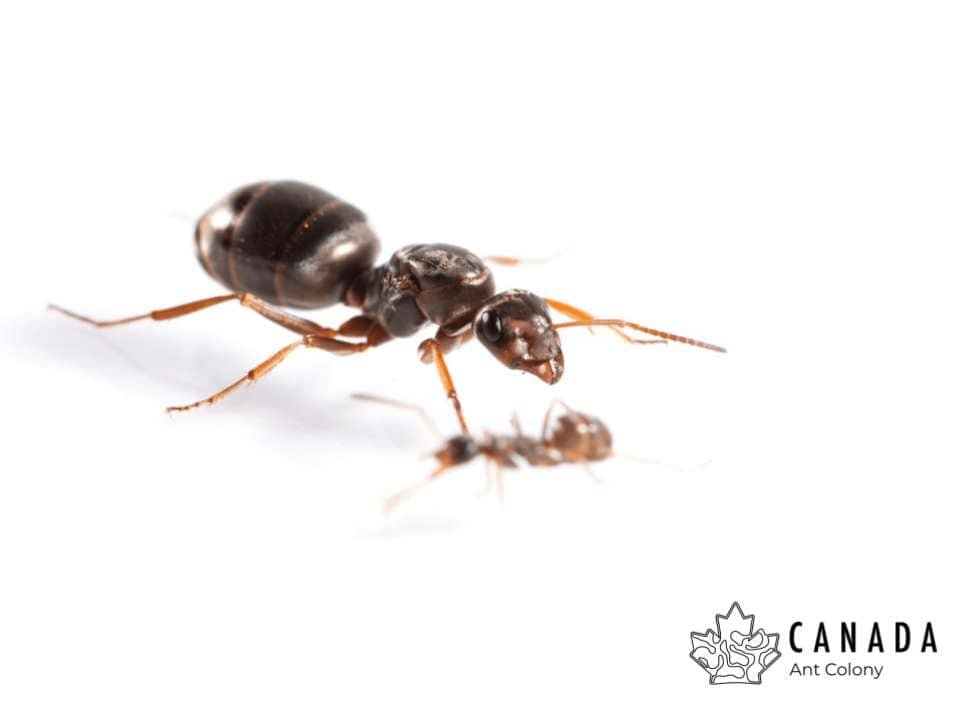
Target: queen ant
{"x": 291, "y": 244}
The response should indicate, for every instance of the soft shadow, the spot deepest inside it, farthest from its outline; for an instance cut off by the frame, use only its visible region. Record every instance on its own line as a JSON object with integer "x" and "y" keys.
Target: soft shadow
{"x": 185, "y": 366}
{"x": 411, "y": 528}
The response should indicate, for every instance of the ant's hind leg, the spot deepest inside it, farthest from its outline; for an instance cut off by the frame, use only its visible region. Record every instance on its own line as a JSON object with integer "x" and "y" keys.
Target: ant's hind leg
{"x": 323, "y": 342}
{"x": 258, "y": 372}
{"x": 299, "y": 325}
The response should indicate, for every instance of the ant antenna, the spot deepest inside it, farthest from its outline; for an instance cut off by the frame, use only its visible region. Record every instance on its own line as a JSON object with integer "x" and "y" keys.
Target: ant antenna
{"x": 581, "y": 318}
{"x": 640, "y": 328}
{"x": 427, "y": 420}
{"x": 655, "y": 461}
{"x": 181, "y": 217}
{"x": 512, "y": 261}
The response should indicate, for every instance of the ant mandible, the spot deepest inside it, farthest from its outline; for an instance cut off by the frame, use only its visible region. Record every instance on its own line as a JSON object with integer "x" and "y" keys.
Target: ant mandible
{"x": 291, "y": 244}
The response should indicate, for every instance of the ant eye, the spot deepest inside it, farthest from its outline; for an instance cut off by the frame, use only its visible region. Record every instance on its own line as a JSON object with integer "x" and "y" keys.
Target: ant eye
{"x": 490, "y": 326}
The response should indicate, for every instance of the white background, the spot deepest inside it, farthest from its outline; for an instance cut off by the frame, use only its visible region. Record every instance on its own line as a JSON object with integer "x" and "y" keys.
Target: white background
{"x": 779, "y": 179}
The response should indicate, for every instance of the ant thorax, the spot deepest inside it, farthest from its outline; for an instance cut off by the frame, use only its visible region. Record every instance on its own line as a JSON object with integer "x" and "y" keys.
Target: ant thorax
{"x": 419, "y": 284}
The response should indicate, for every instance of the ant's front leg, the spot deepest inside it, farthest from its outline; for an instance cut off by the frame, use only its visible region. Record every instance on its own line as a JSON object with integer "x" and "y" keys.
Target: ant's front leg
{"x": 432, "y": 350}
{"x": 494, "y": 471}
{"x": 546, "y": 418}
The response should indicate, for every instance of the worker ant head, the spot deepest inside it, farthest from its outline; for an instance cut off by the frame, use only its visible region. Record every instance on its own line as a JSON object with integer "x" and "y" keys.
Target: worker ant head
{"x": 580, "y": 437}
{"x": 515, "y": 326}
{"x": 457, "y": 450}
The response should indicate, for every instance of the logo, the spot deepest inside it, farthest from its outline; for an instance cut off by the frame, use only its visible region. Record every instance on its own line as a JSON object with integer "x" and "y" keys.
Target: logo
{"x": 734, "y": 653}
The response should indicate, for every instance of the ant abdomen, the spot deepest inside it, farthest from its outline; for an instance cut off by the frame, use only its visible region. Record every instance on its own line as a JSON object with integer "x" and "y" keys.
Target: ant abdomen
{"x": 286, "y": 242}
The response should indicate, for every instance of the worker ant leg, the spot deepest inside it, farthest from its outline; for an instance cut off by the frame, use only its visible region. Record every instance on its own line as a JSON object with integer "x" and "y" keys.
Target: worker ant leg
{"x": 488, "y": 466}
{"x": 390, "y": 503}
{"x": 494, "y": 481}
{"x": 546, "y": 418}
{"x": 431, "y": 350}
{"x": 585, "y": 319}
{"x": 588, "y": 469}
{"x": 427, "y": 420}
{"x": 299, "y": 325}
{"x": 498, "y": 481}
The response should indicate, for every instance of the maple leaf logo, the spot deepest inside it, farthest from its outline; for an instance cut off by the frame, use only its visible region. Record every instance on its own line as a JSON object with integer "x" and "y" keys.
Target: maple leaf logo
{"x": 734, "y": 653}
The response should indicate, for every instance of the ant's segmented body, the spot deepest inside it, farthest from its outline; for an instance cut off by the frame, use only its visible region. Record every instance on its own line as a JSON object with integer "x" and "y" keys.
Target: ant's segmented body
{"x": 570, "y": 437}
{"x": 291, "y": 244}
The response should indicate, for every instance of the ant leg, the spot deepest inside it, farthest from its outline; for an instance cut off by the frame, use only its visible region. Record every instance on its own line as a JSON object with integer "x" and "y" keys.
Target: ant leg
{"x": 323, "y": 342}
{"x": 589, "y": 471}
{"x": 299, "y": 325}
{"x": 432, "y": 349}
{"x": 546, "y": 417}
{"x": 391, "y": 502}
{"x": 488, "y": 471}
{"x": 655, "y": 461}
{"x": 584, "y": 319}
{"x": 498, "y": 481}
{"x": 375, "y": 336}
{"x": 358, "y": 326}
{"x": 403, "y": 406}
{"x": 258, "y": 372}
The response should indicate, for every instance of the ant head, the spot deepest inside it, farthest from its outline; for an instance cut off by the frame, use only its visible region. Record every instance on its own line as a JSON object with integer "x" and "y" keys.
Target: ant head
{"x": 515, "y": 327}
{"x": 580, "y": 436}
{"x": 457, "y": 450}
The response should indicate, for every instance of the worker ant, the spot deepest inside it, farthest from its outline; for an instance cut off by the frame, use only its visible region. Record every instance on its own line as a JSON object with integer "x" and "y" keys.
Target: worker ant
{"x": 567, "y": 437}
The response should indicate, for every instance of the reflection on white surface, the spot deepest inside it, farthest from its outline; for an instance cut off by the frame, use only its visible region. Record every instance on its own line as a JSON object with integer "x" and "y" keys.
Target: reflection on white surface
{"x": 780, "y": 178}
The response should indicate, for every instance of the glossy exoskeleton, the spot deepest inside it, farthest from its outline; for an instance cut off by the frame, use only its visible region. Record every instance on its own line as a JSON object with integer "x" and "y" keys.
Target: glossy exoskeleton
{"x": 291, "y": 244}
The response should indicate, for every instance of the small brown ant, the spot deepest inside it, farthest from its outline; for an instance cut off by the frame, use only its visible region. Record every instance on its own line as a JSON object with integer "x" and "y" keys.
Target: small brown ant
{"x": 291, "y": 244}
{"x": 570, "y": 437}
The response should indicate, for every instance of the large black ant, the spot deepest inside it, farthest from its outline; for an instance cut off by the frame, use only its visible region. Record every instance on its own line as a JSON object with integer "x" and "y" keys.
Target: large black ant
{"x": 291, "y": 244}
